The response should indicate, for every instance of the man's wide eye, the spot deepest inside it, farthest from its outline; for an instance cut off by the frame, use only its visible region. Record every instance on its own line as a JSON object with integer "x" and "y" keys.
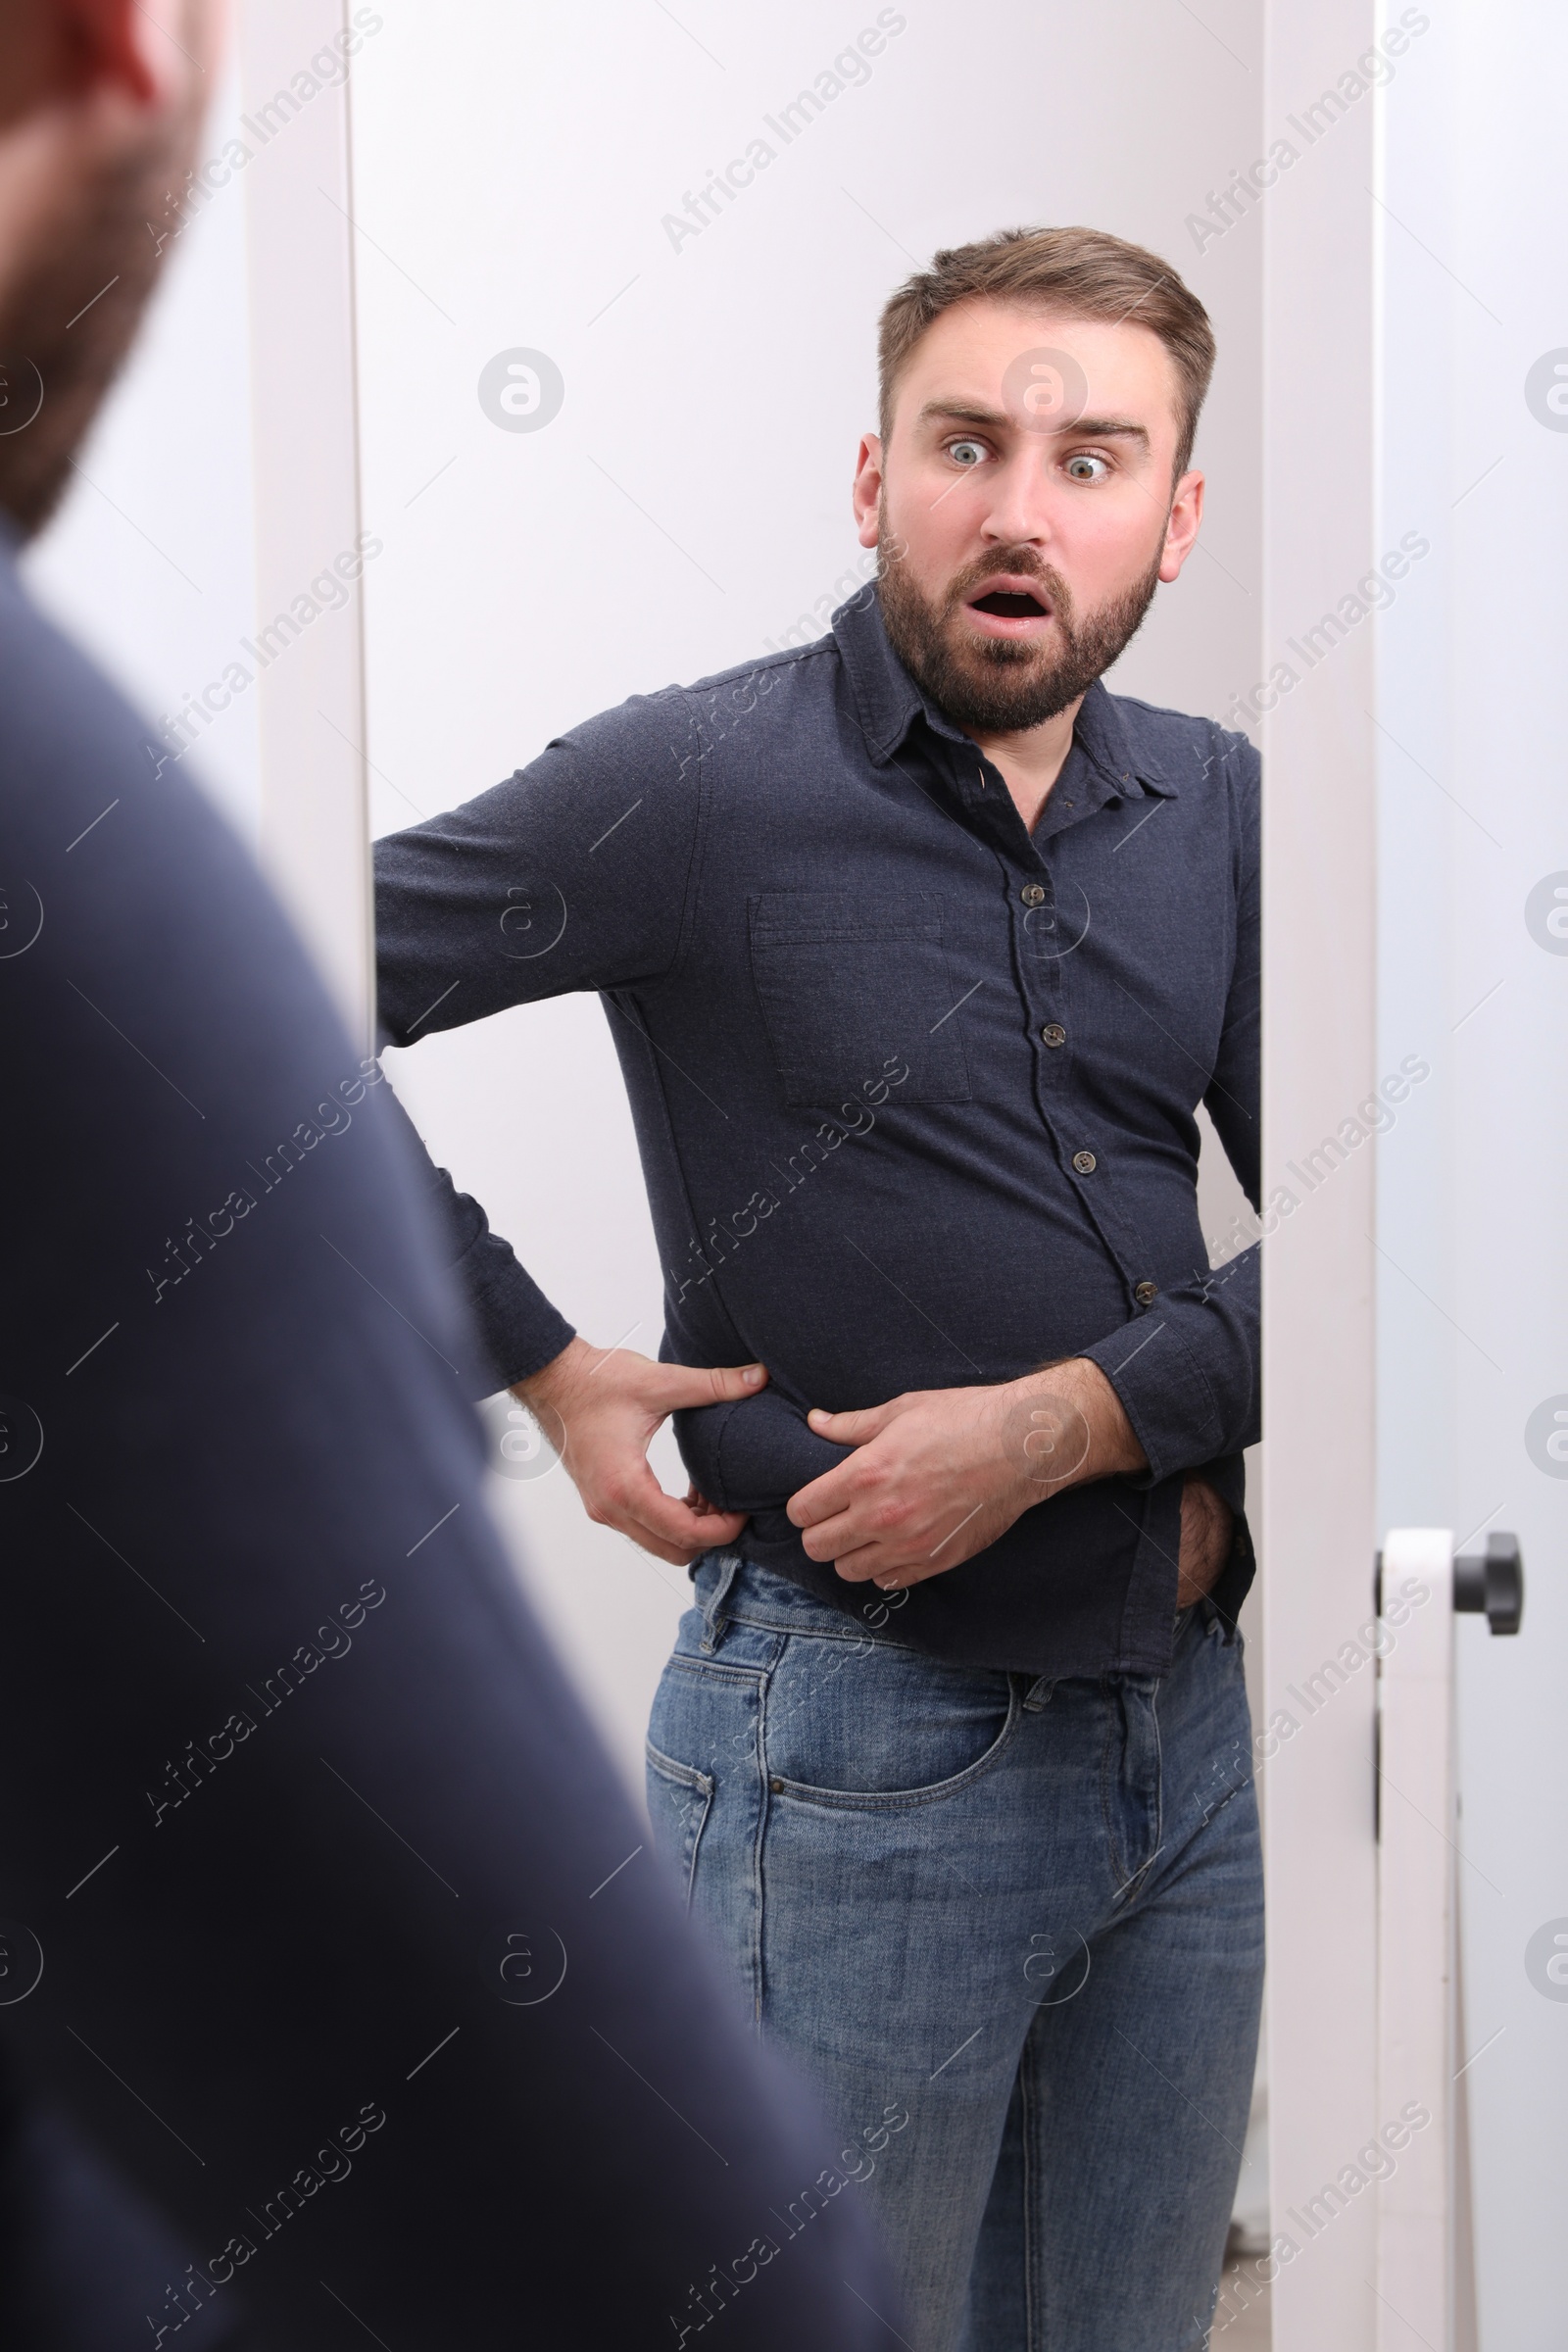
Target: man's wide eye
{"x": 1082, "y": 464}
{"x": 966, "y": 453}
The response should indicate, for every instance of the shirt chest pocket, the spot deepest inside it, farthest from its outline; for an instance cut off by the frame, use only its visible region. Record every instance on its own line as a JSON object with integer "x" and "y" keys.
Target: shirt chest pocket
{"x": 853, "y": 988}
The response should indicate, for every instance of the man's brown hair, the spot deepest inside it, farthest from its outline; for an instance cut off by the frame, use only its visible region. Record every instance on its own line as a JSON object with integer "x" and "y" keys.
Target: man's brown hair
{"x": 1083, "y": 273}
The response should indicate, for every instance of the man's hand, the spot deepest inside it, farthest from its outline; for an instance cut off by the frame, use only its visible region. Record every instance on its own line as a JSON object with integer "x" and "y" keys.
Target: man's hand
{"x": 939, "y": 1474}
{"x": 1205, "y": 1545}
{"x": 600, "y": 1407}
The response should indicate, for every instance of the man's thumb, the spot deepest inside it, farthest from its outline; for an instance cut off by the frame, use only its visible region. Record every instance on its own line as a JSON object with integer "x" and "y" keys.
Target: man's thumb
{"x": 688, "y": 1385}
{"x": 848, "y": 1429}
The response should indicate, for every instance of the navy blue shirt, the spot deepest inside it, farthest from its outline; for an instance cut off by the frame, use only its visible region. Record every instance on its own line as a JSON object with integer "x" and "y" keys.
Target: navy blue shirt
{"x": 914, "y": 1088}
{"x": 325, "y": 1921}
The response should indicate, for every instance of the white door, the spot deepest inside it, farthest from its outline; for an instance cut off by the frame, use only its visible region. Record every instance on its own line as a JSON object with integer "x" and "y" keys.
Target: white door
{"x": 1473, "y": 926}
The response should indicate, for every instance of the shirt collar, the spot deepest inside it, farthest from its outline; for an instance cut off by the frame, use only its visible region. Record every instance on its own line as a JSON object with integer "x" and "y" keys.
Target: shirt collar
{"x": 889, "y": 702}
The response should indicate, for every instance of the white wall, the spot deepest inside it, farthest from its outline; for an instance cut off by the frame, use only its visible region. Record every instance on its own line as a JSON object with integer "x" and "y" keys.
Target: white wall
{"x": 690, "y": 501}
{"x": 149, "y": 560}
{"x": 1473, "y": 818}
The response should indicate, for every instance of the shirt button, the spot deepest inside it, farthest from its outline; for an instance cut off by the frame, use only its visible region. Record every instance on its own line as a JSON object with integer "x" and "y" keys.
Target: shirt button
{"x": 1033, "y": 894}
{"x": 1083, "y": 1162}
{"x": 1054, "y": 1033}
{"x": 1146, "y": 1293}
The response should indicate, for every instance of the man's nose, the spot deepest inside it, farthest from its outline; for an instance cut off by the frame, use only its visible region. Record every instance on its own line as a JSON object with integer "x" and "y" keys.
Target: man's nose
{"x": 1020, "y": 510}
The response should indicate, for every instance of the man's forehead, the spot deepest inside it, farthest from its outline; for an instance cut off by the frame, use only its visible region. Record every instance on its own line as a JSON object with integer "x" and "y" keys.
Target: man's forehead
{"x": 972, "y": 347}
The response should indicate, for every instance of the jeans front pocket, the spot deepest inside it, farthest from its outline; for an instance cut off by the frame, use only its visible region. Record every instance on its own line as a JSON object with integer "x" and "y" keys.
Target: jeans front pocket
{"x": 705, "y": 1787}
{"x": 678, "y": 1801}
{"x": 857, "y": 997}
{"x": 870, "y": 1724}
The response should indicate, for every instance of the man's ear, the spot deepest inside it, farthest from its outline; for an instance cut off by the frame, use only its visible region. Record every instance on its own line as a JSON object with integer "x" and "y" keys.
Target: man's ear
{"x": 135, "y": 48}
{"x": 866, "y": 491}
{"x": 1181, "y": 527}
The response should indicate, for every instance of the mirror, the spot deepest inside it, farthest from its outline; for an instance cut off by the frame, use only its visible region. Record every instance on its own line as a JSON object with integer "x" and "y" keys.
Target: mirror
{"x": 615, "y": 349}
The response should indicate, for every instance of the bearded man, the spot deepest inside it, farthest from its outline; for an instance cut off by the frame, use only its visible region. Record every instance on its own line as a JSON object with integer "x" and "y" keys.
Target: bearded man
{"x": 920, "y": 950}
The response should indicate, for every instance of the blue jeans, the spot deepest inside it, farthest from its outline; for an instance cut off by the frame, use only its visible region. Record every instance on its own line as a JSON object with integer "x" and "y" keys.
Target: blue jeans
{"x": 1011, "y": 1931}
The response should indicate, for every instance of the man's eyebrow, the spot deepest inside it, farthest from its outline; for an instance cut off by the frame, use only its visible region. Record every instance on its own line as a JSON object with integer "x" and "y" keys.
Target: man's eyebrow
{"x": 1106, "y": 428}
{"x": 965, "y": 411}
{"x": 1088, "y": 428}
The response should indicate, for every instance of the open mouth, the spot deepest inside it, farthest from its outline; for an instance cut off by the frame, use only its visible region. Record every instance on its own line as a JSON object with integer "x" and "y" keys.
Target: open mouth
{"x": 1007, "y": 606}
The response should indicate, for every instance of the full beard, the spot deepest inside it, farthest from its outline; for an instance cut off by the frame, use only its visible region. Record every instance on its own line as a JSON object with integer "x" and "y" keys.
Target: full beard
{"x": 72, "y": 310}
{"x": 997, "y": 686}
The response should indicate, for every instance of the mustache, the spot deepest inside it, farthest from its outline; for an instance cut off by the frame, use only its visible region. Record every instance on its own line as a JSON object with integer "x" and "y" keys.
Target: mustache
{"x": 1023, "y": 563}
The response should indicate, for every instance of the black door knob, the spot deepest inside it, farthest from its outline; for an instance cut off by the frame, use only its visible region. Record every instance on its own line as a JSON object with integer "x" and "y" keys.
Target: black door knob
{"x": 1491, "y": 1583}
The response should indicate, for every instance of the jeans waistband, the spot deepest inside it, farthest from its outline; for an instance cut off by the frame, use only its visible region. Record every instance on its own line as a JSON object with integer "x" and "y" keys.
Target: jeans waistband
{"x": 809, "y": 1614}
{"x": 769, "y": 1598}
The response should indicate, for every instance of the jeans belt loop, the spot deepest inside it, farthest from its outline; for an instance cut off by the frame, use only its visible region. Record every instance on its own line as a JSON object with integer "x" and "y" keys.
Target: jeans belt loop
{"x": 727, "y": 1566}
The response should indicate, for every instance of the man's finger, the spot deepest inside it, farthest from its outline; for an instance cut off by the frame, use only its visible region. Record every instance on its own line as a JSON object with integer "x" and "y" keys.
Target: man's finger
{"x": 871, "y": 1563}
{"x": 860, "y": 1563}
{"x": 662, "y": 1523}
{"x": 825, "y": 1497}
{"x": 673, "y": 1388}
{"x": 850, "y": 1428}
{"x": 683, "y": 1550}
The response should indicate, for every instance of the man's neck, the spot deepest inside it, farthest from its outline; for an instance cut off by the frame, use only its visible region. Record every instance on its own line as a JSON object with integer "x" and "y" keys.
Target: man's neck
{"x": 1031, "y": 760}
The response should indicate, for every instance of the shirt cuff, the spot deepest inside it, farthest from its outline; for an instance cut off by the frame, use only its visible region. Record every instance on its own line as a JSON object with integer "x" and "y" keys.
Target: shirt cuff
{"x": 515, "y": 1328}
{"x": 1164, "y": 1394}
{"x": 519, "y": 1330}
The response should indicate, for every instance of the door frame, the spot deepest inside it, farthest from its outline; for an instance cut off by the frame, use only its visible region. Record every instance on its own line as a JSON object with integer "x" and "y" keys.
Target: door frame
{"x": 314, "y": 800}
{"x": 1318, "y": 1533}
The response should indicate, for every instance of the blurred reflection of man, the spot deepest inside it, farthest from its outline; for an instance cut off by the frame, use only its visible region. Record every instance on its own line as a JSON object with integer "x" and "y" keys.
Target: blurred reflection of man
{"x": 306, "y": 2008}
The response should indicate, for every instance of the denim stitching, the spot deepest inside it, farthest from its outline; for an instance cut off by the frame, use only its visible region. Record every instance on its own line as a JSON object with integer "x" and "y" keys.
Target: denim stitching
{"x": 1140, "y": 1879}
{"x": 807, "y": 1690}
{"x": 689, "y": 1777}
{"x": 1130, "y": 1879}
{"x": 1034, "y": 2316}
{"x": 844, "y": 1630}
{"x": 718, "y": 1670}
{"x": 908, "y": 1799}
{"x": 1114, "y": 1716}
